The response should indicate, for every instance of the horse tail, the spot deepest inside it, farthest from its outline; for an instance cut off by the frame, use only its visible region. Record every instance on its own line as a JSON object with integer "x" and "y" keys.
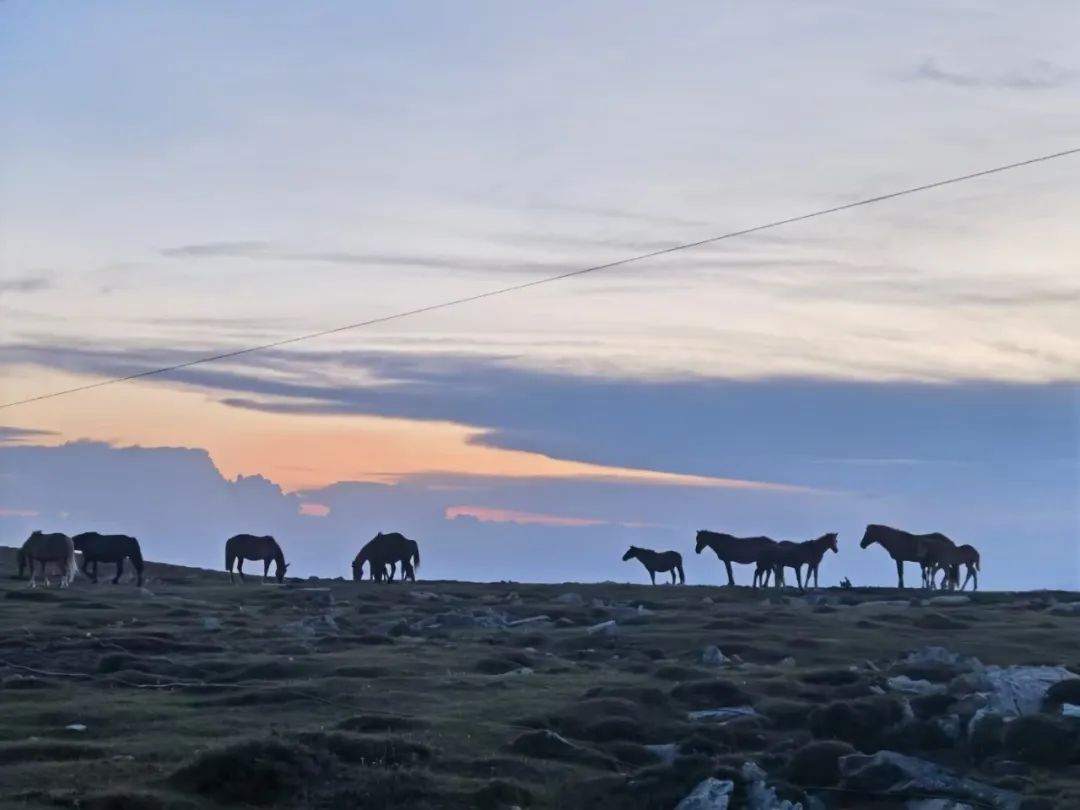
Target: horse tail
{"x": 69, "y": 563}
{"x": 416, "y": 556}
{"x": 977, "y": 561}
{"x": 682, "y": 575}
{"x": 136, "y": 557}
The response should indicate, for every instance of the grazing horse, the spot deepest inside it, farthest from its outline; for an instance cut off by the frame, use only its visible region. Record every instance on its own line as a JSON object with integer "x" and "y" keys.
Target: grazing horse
{"x": 387, "y": 550}
{"x": 730, "y": 549}
{"x": 906, "y": 547}
{"x": 949, "y": 559}
{"x": 242, "y": 547}
{"x": 48, "y": 548}
{"x": 786, "y": 554}
{"x": 658, "y": 561}
{"x": 108, "y": 548}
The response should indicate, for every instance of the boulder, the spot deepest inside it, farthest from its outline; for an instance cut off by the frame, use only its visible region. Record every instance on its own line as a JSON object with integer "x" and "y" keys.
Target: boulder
{"x": 712, "y": 657}
{"x": 574, "y": 599}
{"x": 952, "y": 600}
{"x": 711, "y": 794}
{"x": 759, "y": 796}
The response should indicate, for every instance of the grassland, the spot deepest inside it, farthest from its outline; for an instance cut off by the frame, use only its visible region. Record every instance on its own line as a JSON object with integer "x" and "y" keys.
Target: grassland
{"x": 329, "y": 694}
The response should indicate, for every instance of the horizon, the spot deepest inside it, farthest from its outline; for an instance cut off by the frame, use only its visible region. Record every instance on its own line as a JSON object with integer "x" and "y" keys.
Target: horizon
{"x": 912, "y": 363}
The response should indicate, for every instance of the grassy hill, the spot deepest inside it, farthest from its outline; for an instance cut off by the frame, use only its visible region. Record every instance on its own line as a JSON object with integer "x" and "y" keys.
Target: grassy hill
{"x": 331, "y": 694}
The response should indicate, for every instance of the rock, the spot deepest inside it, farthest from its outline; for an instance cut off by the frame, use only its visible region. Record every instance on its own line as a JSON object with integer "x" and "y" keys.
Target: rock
{"x": 75, "y": 727}
{"x": 936, "y": 804}
{"x": 712, "y": 657}
{"x": 707, "y": 601}
{"x": 1066, "y": 609}
{"x": 1066, "y": 691}
{"x": 898, "y": 775}
{"x": 424, "y": 596}
{"x": 520, "y": 672}
{"x": 1043, "y": 739}
{"x": 530, "y": 620}
{"x": 1020, "y": 690}
{"x": 144, "y": 591}
{"x": 884, "y": 603}
{"x": 902, "y": 683}
{"x": 311, "y": 626}
{"x": 953, "y": 600}
{"x": 211, "y": 623}
{"x": 985, "y": 732}
{"x": 569, "y": 599}
{"x": 608, "y": 629}
{"x": 724, "y": 714}
{"x": 321, "y": 597}
{"x": 711, "y": 794}
{"x": 943, "y": 656}
{"x": 968, "y": 684}
{"x": 546, "y": 744}
{"x": 817, "y": 764}
{"x": 786, "y": 663}
{"x": 759, "y": 796}
{"x": 666, "y": 751}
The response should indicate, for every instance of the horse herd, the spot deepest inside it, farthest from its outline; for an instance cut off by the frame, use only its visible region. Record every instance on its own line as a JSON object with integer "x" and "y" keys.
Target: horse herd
{"x": 934, "y": 553}
{"x": 382, "y": 554}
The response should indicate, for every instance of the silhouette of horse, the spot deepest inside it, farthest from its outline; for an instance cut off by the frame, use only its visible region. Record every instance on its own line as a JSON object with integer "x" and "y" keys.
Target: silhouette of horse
{"x": 242, "y": 547}
{"x": 730, "y": 549}
{"x": 906, "y": 547}
{"x": 658, "y": 561}
{"x": 387, "y": 550}
{"x": 949, "y": 558}
{"x": 786, "y": 554}
{"x": 108, "y": 548}
{"x": 43, "y": 549}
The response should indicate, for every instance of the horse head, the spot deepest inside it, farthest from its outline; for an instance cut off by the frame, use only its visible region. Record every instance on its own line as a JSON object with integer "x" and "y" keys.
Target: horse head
{"x": 630, "y": 553}
{"x": 870, "y": 536}
{"x": 701, "y": 541}
{"x": 830, "y": 542}
{"x": 282, "y": 567}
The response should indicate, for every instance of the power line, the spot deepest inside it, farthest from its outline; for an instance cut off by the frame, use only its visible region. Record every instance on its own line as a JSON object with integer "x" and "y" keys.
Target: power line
{"x": 546, "y": 280}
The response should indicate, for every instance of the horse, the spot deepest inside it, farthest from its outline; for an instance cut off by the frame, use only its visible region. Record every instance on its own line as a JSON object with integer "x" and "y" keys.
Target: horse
{"x": 387, "y": 550}
{"x": 786, "y": 554}
{"x": 108, "y": 548}
{"x": 730, "y": 549}
{"x": 658, "y": 561}
{"x": 43, "y": 549}
{"x": 906, "y": 547}
{"x": 242, "y": 547}
{"x": 950, "y": 558}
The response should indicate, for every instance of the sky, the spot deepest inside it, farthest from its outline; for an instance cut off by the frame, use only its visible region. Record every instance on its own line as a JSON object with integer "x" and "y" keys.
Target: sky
{"x": 179, "y": 181}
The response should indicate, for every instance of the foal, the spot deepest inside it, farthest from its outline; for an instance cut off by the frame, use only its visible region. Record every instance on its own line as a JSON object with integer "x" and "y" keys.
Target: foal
{"x": 658, "y": 561}
{"x": 795, "y": 555}
{"x": 949, "y": 559}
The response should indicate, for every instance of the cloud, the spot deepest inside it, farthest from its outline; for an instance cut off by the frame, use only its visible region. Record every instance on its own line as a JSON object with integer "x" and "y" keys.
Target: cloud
{"x": 14, "y": 435}
{"x": 487, "y": 514}
{"x": 26, "y": 284}
{"x": 1039, "y": 75}
{"x": 218, "y": 250}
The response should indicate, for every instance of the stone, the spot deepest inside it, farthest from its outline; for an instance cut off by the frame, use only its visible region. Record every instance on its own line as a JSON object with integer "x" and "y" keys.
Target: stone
{"x": 530, "y": 620}
{"x": 311, "y": 626}
{"x": 424, "y": 596}
{"x": 211, "y": 623}
{"x": 1020, "y": 690}
{"x": 786, "y": 663}
{"x": 723, "y": 714}
{"x": 321, "y": 597}
{"x": 707, "y": 601}
{"x": 902, "y": 683}
{"x": 884, "y": 603}
{"x": 608, "y": 629}
{"x": 712, "y": 657}
{"x": 75, "y": 727}
{"x": 936, "y": 804}
{"x": 1066, "y": 609}
{"x": 899, "y": 775}
{"x": 710, "y": 794}
{"x": 759, "y": 796}
{"x": 943, "y": 656}
{"x": 666, "y": 751}
{"x": 144, "y": 591}
{"x": 952, "y": 600}
{"x": 569, "y": 599}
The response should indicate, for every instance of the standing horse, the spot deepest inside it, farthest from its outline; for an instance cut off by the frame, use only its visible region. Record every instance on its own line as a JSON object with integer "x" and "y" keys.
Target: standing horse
{"x": 661, "y": 561}
{"x": 44, "y": 549}
{"x": 786, "y": 554}
{"x": 387, "y": 550}
{"x": 242, "y": 547}
{"x": 730, "y": 549}
{"x": 109, "y": 548}
{"x": 906, "y": 547}
{"x": 949, "y": 558}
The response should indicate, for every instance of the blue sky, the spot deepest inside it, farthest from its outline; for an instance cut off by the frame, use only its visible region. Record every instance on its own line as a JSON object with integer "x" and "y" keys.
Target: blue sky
{"x": 185, "y": 179}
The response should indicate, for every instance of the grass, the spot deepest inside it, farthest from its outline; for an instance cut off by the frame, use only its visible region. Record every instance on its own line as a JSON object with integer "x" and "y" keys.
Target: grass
{"x": 210, "y": 695}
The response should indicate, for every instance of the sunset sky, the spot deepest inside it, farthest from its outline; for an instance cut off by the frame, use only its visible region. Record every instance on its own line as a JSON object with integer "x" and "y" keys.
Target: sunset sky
{"x": 186, "y": 179}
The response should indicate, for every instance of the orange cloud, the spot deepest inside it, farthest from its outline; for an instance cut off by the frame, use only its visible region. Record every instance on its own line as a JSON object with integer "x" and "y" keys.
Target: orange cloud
{"x": 489, "y": 514}
{"x": 18, "y": 512}
{"x": 312, "y": 509}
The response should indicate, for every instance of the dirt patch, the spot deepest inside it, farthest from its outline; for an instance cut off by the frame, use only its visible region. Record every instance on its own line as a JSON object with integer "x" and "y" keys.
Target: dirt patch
{"x": 711, "y": 694}
{"x": 40, "y": 751}
{"x": 381, "y": 723}
{"x": 1043, "y": 739}
{"x": 377, "y": 751}
{"x": 860, "y": 722}
{"x": 257, "y": 772}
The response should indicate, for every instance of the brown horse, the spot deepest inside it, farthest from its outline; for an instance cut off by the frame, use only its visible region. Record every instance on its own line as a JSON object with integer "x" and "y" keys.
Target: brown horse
{"x": 108, "y": 548}
{"x": 731, "y": 549}
{"x": 949, "y": 559}
{"x": 387, "y": 550}
{"x": 43, "y": 549}
{"x": 242, "y": 547}
{"x": 786, "y": 554}
{"x": 906, "y": 547}
{"x": 658, "y": 561}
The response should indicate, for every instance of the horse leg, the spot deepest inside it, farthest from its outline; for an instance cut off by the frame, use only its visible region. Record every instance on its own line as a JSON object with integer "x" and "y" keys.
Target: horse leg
{"x": 33, "y": 576}
{"x": 798, "y": 576}
{"x": 973, "y": 572}
{"x": 730, "y": 573}
{"x": 119, "y": 571}
{"x": 815, "y": 576}
{"x": 266, "y": 569}
{"x": 652, "y": 576}
{"x": 93, "y": 577}
{"x": 900, "y": 574}
{"x": 240, "y": 568}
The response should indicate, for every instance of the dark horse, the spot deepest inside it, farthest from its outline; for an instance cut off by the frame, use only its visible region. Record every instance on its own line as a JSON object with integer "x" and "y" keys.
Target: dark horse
{"x": 730, "y": 549}
{"x": 108, "y": 548}
{"x": 42, "y": 549}
{"x": 242, "y": 547}
{"x": 906, "y": 547}
{"x": 949, "y": 559}
{"x": 658, "y": 561}
{"x": 795, "y": 555}
{"x": 384, "y": 550}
